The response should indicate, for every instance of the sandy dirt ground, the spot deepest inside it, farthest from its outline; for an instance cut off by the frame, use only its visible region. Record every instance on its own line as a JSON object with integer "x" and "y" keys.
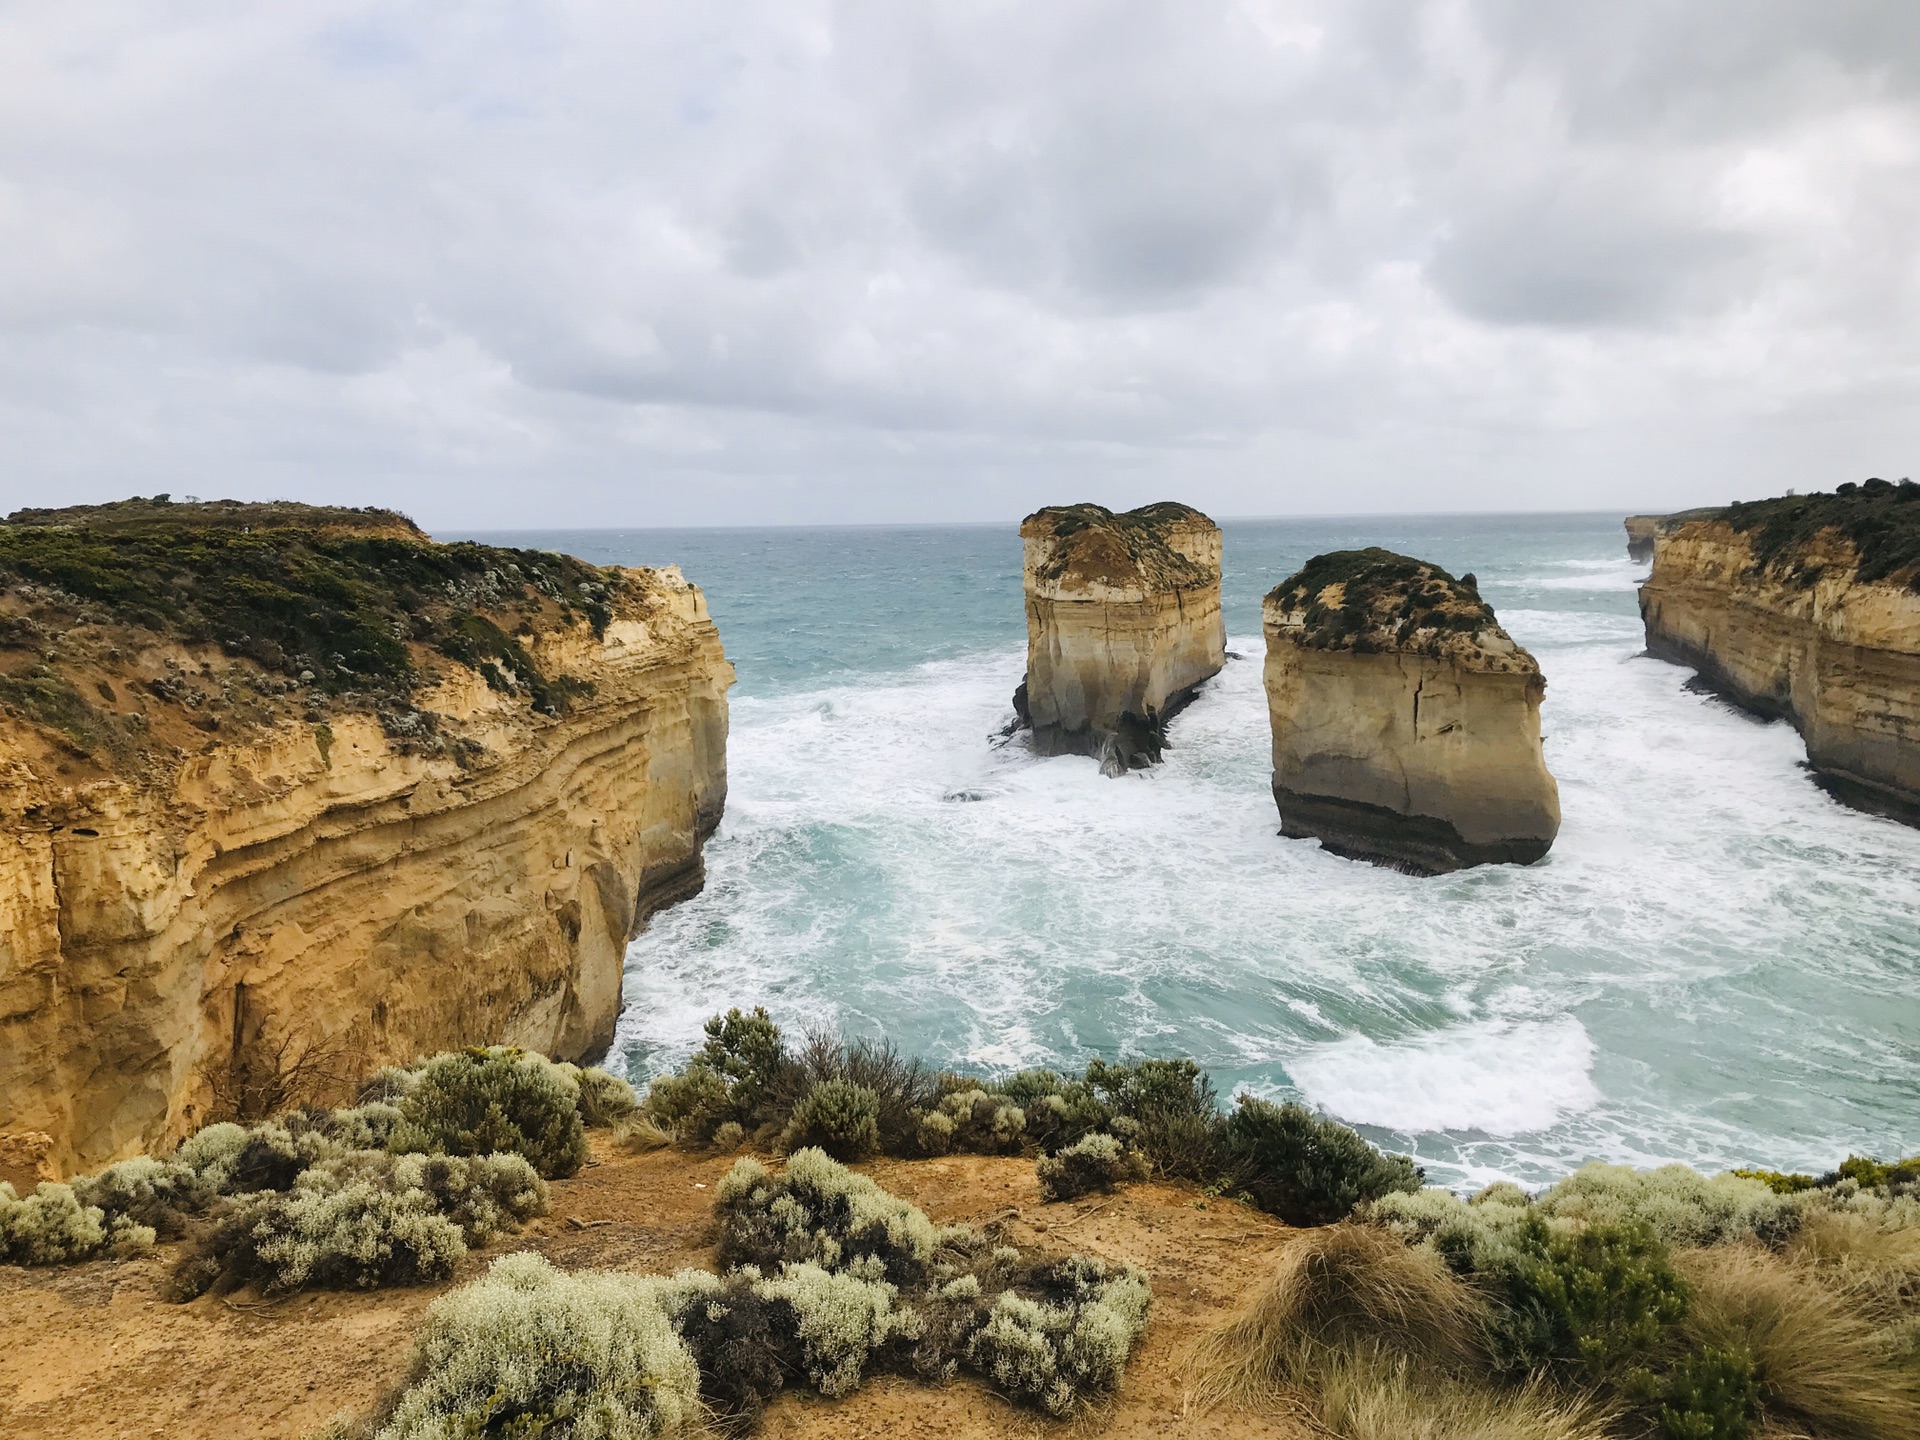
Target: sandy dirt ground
{"x": 94, "y": 1351}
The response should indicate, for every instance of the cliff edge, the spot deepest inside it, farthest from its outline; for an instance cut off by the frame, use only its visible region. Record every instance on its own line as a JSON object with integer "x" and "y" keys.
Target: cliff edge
{"x": 1123, "y": 625}
{"x": 285, "y": 785}
{"x": 1406, "y": 722}
{"x": 1807, "y": 608}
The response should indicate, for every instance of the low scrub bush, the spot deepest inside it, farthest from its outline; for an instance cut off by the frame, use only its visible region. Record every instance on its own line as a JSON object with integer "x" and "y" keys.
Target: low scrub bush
{"x": 1305, "y": 1169}
{"x": 1063, "y": 1336}
{"x": 1055, "y": 1112}
{"x": 1171, "y": 1113}
{"x": 1709, "y": 1395}
{"x": 819, "y": 1212}
{"x": 529, "y": 1350}
{"x": 975, "y": 1121}
{"x": 836, "y": 1116}
{"x": 604, "y": 1099}
{"x": 158, "y": 1195}
{"x": 840, "y": 1320}
{"x": 1097, "y": 1162}
{"x": 1601, "y": 1298}
{"x": 1682, "y": 1206}
{"x": 902, "y": 1087}
{"x": 479, "y": 1102}
{"x": 53, "y": 1227}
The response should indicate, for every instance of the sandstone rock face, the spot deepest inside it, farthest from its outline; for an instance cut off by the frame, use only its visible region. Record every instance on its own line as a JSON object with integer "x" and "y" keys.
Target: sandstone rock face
{"x": 216, "y": 860}
{"x": 1807, "y": 608}
{"x": 1406, "y": 722}
{"x": 1641, "y": 530}
{"x": 1123, "y": 625}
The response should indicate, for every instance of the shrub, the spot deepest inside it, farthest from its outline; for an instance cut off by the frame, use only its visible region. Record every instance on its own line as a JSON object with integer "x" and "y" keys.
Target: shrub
{"x": 156, "y": 1194}
{"x": 1603, "y": 1297}
{"x": 1098, "y": 1162}
{"x": 477, "y": 1102}
{"x": 730, "y": 1136}
{"x": 1871, "y": 1174}
{"x": 528, "y": 1350}
{"x": 1173, "y": 1107}
{"x": 1487, "y": 1236}
{"x": 1709, "y": 1396}
{"x": 1070, "y": 1342}
{"x": 838, "y": 1117}
{"x": 744, "y": 1344}
{"x": 1056, "y": 1112}
{"x": 1819, "y": 1353}
{"x": 52, "y": 1227}
{"x": 363, "y": 1220}
{"x": 821, "y": 1213}
{"x": 976, "y": 1121}
{"x": 605, "y": 1099}
{"x": 1683, "y": 1206}
{"x": 691, "y": 1105}
{"x": 1307, "y": 1170}
{"x": 840, "y": 1320}
{"x": 748, "y": 1056}
{"x": 901, "y": 1087}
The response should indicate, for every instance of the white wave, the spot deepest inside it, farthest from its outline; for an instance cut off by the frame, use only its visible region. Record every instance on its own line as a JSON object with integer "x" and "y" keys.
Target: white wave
{"x": 1501, "y": 1078}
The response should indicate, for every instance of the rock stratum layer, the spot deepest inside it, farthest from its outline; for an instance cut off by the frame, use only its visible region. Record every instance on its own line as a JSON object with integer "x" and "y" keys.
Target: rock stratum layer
{"x": 1806, "y": 608}
{"x": 1406, "y": 722}
{"x": 278, "y": 784}
{"x": 1123, "y": 626}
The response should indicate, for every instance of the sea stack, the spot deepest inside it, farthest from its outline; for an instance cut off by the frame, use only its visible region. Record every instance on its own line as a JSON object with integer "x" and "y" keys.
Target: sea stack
{"x": 1123, "y": 626}
{"x": 1806, "y": 608}
{"x": 1406, "y": 722}
{"x": 1641, "y": 530}
{"x": 282, "y": 784}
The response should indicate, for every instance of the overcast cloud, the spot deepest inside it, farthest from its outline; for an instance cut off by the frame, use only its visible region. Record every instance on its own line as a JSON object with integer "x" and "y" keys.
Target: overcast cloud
{"x": 579, "y": 263}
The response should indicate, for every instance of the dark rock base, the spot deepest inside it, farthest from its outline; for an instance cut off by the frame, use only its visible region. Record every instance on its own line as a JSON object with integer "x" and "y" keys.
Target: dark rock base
{"x": 1133, "y": 743}
{"x": 1414, "y": 844}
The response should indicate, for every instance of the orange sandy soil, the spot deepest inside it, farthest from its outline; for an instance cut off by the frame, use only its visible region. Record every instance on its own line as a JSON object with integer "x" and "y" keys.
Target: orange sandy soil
{"x": 93, "y": 1351}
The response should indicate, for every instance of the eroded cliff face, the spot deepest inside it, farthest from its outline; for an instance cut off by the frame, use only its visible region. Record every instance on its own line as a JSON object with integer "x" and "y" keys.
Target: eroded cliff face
{"x": 1641, "y": 530}
{"x": 210, "y": 860}
{"x": 1123, "y": 625}
{"x": 1784, "y": 611}
{"x": 1406, "y": 722}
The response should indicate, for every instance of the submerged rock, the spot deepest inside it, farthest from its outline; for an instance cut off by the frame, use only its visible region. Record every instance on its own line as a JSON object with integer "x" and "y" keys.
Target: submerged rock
{"x": 1123, "y": 626}
{"x": 1806, "y": 608}
{"x": 1406, "y": 722}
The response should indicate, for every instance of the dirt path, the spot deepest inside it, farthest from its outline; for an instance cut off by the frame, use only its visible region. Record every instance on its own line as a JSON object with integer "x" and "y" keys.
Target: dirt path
{"x": 92, "y": 1351}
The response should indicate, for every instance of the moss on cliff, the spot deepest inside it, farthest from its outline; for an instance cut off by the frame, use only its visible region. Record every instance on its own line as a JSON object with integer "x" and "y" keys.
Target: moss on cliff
{"x": 1372, "y": 600}
{"x": 1880, "y": 519}
{"x": 292, "y": 588}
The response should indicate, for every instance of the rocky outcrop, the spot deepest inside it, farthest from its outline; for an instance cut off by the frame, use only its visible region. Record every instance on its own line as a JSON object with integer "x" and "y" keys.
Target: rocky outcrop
{"x": 330, "y": 795}
{"x": 1123, "y": 626}
{"x": 1807, "y": 608}
{"x": 1640, "y": 532}
{"x": 1406, "y": 722}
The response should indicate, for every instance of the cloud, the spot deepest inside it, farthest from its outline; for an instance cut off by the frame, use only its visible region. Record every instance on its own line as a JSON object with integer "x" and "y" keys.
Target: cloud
{"x": 519, "y": 263}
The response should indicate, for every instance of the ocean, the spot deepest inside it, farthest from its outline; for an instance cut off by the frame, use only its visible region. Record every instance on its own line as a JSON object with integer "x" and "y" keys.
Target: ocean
{"x": 1716, "y": 964}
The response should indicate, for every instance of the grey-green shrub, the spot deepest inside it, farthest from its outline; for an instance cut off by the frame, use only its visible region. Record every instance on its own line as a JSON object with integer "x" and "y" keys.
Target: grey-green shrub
{"x": 1171, "y": 1113}
{"x": 837, "y": 1116}
{"x": 1683, "y": 1206}
{"x": 819, "y": 1212}
{"x": 605, "y": 1099}
{"x": 980, "y": 1122}
{"x": 1096, "y": 1162}
{"x": 529, "y": 1350}
{"x": 52, "y": 1227}
{"x": 1072, "y": 1346}
{"x": 1306, "y": 1169}
{"x": 160, "y": 1195}
{"x": 478, "y": 1102}
{"x": 840, "y": 1321}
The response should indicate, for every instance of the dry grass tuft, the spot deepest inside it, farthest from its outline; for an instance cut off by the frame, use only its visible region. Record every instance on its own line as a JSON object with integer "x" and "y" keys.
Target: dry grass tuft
{"x": 1824, "y": 1353}
{"x": 1339, "y": 1290}
{"x": 1362, "y": 1398}
{"x": 1868, "y": 1250}
{"x": 640, "y": 1135}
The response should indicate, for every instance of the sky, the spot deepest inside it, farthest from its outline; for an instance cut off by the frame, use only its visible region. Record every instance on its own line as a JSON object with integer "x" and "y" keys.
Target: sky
{"x": 630, "y": 264}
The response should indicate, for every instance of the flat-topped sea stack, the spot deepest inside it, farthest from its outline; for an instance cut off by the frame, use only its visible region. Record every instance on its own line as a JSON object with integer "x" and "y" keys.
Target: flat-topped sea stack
{"x": 280, "y": 783}
{"x": 1806, "y": 608}
{"x": 1123, "y": 625}
{"x": 1406, "y": 722}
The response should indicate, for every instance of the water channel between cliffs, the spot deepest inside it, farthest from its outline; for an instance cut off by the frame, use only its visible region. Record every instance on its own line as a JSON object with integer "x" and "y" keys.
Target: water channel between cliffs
{"x": 1716, "y": 964}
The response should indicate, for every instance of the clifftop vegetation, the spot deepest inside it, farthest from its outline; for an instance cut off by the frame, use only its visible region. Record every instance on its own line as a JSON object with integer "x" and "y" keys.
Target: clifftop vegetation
{"x": 1093, "y": 543}
{"x": 1880, "y": 518}
{"x": 1374, "y": 600}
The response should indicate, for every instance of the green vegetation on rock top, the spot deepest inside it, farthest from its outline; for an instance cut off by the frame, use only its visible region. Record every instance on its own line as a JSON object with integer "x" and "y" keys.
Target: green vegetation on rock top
{"x": 1880, "y": 518}
{"x": 1098, "y": 543}
{"x": 340, "y": 593}
{"x": 1385, "y": 601}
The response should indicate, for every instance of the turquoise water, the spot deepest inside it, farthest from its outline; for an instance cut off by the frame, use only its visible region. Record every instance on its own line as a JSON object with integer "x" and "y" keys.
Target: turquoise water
{"x": 1716, "y": 963}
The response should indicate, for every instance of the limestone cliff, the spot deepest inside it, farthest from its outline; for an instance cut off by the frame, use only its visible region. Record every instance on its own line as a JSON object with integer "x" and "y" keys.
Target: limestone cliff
{"x": 1641, "y": 530}
{"x": 1807, "y": 608}
{"x": 1123, "y": 625}
{"x": 281, "y": 783}
{"x": 1406, "y": 722}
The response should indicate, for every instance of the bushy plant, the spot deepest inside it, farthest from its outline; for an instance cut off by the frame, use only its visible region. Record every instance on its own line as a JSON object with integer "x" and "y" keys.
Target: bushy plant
{"x": 1057, "y": 1112}
{"x": 1306, "y": 1169}
{"x": 840, "y": 1321}
{"x": 1488, "y": 1235}
{"x": 838, "y": 1117}
{"x": 902, "y": 1087}
{"x": 975, "y": 1121}
{"x": 156, "y": 1194}
{"x": 819, "y": 1212}
{"x": 529, "y": 1350}
{"x": 1682, "y": 1206}
{"x": 1172, "y": 1108}
{"x": 605, "y": 1099}
{"x": 1097, "y": 1162}
{"x": 691, "y": 1106}
{"x": 1070, "y": 1341}
{"x": 480, "y": 1101}
{"x": 1603, "y": 1297}
{"x": 52, "y": 1227}
{"x": 1710, "y": 1395}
